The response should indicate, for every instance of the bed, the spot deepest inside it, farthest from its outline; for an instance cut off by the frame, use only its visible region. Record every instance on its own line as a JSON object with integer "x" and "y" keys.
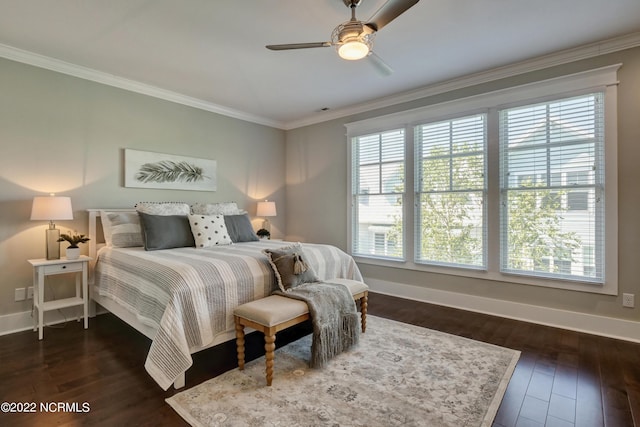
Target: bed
{"x": 183, "y": 298}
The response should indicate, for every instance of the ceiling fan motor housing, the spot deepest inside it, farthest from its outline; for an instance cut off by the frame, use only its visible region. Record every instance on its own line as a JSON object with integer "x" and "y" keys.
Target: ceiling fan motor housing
{"x": 352, "y": 32}
{"x": 351, "y": 3}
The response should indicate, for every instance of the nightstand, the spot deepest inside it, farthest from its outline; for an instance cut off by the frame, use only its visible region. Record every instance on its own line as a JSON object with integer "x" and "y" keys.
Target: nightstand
{"x": 43, "y": 268}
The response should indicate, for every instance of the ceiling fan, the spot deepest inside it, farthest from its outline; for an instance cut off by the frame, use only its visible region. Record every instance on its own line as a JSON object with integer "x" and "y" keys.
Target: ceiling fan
{"x": 353, "y": 39}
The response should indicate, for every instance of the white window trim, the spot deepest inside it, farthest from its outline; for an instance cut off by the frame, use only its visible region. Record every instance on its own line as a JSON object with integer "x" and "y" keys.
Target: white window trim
{"x": 603, "y": 79}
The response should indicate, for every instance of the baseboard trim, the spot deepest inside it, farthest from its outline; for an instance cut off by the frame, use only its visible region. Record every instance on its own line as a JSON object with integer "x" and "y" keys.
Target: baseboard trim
{"x": 22, "y": 321}
{"x": 580, "y": 322}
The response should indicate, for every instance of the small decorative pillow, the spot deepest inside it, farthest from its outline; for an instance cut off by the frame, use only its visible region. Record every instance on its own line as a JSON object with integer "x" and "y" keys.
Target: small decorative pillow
{"x": 290, "y": 266}
{"x": 163, "y": 208}
{"x": 222, "y": 208}
{"x": 165, "y": 231}
{"x": 209, "y": 230}
{"x": 240, "y": 228}
{"x": 121, "y": 229}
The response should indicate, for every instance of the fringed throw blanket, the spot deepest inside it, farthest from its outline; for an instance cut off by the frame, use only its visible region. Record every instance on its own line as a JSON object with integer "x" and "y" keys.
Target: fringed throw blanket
{"x": 336, "y": 325}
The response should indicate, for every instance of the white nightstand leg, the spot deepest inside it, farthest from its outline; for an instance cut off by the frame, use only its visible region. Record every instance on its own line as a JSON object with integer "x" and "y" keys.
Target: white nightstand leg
{"x": 78, "y": 279}
{"x": 40, "y": 305}
{"x": 85, "y": 293}
{"x": 35, "y": 299}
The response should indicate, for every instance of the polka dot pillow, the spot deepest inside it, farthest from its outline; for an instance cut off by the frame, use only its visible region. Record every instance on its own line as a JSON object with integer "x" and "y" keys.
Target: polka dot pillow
{"x": 209, "y": 230}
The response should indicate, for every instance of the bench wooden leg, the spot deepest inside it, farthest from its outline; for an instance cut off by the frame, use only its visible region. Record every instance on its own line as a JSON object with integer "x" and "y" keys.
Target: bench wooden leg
{"x": 240, "y": 343}
{"x": 363, "y": 311}
{"x": 269, "y": 347}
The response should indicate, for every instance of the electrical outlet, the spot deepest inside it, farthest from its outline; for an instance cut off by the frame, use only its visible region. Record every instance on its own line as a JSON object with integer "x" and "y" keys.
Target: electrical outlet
{"x": 21, "y": 294}
{"x": 30, "y": 292}
{"x": 628, "y": 300}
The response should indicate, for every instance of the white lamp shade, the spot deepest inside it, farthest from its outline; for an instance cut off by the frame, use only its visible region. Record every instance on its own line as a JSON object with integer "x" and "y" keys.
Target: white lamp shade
{"x": 51, "y": 208}
{"x": 266, "y": 208}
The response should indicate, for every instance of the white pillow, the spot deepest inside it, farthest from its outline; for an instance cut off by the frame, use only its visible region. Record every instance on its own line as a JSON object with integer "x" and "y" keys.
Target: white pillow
{"x": 222, "y": 208}
{"x": 121, "y": 229}
{"x": 209, "y": 230}
{"x": 163, "y": 208}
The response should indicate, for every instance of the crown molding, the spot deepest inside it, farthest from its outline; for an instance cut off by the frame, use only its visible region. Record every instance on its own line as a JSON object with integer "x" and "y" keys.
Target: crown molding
{"x": 546, "y": 61}
{"x": 86, "y": 73}
{"x": 557, "y": 58}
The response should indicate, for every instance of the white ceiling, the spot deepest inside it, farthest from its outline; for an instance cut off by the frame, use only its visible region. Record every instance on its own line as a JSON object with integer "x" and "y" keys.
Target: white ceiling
{"x": 212, "y": 51}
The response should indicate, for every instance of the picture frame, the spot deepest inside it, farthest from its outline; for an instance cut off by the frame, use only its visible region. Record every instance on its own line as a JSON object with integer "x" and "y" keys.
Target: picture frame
{"x": 147, "y": 169}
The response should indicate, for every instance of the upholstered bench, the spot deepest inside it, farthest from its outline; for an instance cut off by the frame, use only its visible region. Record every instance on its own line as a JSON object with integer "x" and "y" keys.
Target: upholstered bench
{"x": 275, "y": 313}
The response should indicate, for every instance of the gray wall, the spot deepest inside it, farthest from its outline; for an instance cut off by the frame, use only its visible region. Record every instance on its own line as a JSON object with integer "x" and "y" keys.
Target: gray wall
{"x": 317, "y": 195}
{"x": 66, "y": 135}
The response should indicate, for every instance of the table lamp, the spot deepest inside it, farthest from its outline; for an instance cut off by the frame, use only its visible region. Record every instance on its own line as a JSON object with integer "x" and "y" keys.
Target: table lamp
{"x": 266, "y": 209}
{"x": 52, "y": 208}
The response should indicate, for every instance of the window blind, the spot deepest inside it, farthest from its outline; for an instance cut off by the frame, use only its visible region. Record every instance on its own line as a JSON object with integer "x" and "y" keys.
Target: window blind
{"x": 378, "y": 167}
{"x": 450, "y": 192}
{"x": 552, "y": 188}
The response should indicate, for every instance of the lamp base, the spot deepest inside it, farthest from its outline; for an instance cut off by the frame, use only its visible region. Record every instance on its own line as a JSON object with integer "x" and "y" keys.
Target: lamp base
{"x": 53, "y": 246}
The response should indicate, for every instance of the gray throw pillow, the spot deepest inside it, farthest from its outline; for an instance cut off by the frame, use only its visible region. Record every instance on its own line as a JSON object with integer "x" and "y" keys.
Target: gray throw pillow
{"x": 240, "y": 228}
{"x": 290, "y": 267}
{"x": 165, "y": 231}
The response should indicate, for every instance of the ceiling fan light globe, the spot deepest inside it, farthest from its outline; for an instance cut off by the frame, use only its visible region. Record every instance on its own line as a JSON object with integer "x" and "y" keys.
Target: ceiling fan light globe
{"x": 353, "y": 50}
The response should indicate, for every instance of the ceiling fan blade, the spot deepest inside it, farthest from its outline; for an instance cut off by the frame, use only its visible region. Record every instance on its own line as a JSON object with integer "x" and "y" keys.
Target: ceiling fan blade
{"x": 381, "y": 67}
{"x": 388, "y": 12}
{"x": 297, "y": 46}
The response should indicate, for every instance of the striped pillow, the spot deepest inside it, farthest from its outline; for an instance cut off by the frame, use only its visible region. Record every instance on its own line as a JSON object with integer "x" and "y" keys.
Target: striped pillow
{"x": 121, "y": 229}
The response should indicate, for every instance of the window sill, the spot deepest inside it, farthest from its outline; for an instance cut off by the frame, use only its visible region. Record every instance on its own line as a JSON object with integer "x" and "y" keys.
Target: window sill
{"x": 609, "y": 288}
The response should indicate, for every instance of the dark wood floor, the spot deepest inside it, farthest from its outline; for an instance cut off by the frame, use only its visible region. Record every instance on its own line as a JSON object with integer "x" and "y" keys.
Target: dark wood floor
{"x": 563, "y": 378}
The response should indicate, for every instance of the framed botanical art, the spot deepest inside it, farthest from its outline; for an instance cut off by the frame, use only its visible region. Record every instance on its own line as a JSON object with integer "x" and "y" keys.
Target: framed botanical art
{"x": 146, "y": 169}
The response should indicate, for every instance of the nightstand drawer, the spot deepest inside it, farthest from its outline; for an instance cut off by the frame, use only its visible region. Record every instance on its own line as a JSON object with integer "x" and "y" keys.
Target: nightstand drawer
{"x": 63, "y": 268}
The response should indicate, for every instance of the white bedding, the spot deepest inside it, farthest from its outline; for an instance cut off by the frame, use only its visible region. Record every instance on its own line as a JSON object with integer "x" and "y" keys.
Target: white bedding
{"x": 189, "y": 294}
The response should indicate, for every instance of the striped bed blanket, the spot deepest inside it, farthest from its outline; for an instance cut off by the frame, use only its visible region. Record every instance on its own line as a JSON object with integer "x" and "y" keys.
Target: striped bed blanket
{"x": 189, "y": 294}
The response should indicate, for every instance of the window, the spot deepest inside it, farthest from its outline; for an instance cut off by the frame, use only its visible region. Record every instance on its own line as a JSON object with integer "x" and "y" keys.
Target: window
{"x": 507, "y": 186}
{"x": 588, "y": 261}
{"x": 378, "y": 192}
{"x": 450, "y": 171}
{"x": 578, "y": 200}
{"x": 561, "y": 144}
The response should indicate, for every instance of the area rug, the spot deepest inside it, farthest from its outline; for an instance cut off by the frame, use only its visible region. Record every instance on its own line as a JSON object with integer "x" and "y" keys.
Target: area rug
{"x": 399, "y": 375}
